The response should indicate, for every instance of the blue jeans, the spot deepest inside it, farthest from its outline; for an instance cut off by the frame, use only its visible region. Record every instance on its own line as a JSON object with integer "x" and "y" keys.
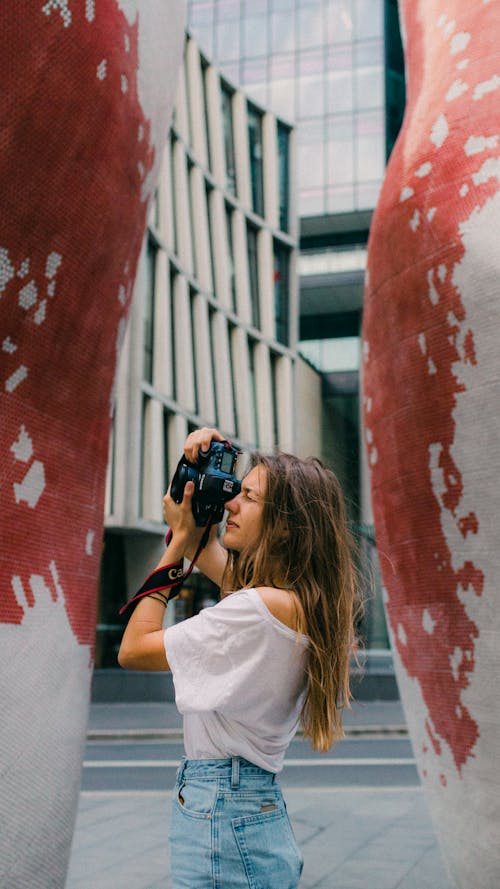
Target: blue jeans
{"x": 230, "y": 828}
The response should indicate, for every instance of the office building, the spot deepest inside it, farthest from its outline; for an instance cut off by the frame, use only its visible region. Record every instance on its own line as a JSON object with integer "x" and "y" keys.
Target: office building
{"x": 333, "y": 68}
{"x": 212, "y": 338}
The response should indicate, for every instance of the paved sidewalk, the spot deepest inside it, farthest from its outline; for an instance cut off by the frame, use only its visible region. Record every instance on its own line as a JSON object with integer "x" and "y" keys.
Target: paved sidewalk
{"x": 352, "y": 838}
{"x": 162, "y": 719}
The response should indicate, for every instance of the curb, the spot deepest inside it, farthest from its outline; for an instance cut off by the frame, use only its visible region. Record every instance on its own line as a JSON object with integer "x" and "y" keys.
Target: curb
{"x": 176, "y": 734}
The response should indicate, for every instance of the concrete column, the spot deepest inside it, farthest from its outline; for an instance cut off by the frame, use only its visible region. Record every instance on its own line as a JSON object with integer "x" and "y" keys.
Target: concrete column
{"x": 184, "y": 370}
{"x": 266, "y": 283}
{"x": 223, "y": 373}
{"x": 152, "y": 461}
{"x": 183, "y": 220}
{"x": 181, "y": 118}
{"x": 216, "y": 128}
{"x": 244, "y": 407}
{"x": 206, "y": 383}
{"x": 162, "y": 354}
{"x": 241, "y": 267}
{"x": 220, "y": 248}
{"x": 128, "y": 420}
{"x": 264, "y": 395}
{"x": 241, "y": 149}
{"x": 177, "y": 433}
{"x": 269, "y": 140}
{"x": 164, "y": 198}
{"x": 308, "y": 406}
{"x": 194, "y": 77}
{"x": 285, "y": 397}
{"x": 201, "y": 230}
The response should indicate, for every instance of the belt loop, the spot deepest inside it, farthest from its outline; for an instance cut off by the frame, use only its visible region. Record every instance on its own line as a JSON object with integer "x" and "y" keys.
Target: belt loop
{"x": 235, "y": 772}
{"x": 180, "y": 773}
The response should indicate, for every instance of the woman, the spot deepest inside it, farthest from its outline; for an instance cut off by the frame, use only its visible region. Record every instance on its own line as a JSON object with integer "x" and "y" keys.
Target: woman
{"x": 272, "y": 653}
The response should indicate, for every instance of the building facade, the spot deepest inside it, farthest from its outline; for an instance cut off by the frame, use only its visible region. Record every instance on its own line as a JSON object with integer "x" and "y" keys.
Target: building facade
{"x": 213, "y": 333}
{"x": 334, "y": 68}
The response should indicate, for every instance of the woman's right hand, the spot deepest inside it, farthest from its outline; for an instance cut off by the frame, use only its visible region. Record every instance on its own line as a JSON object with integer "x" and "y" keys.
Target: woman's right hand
{"x": 179, "y": 517}
{"x": 200, "y": 440}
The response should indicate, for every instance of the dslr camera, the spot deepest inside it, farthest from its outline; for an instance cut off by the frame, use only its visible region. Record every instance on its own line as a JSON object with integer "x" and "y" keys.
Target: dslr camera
{"x": 214, "y": 482}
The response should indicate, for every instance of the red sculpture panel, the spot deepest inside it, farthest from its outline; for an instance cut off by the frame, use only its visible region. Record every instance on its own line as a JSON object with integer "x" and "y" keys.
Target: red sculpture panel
{"x": 431, "y": 396}
{"x": 86, "y": 94}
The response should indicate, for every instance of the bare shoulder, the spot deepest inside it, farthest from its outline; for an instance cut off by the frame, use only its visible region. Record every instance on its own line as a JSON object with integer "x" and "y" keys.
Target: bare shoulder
{"x": 283, "y": 605}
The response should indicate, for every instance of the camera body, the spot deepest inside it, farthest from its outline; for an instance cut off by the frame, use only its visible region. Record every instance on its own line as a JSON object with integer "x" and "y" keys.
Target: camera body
{"x": 214, "y": 482}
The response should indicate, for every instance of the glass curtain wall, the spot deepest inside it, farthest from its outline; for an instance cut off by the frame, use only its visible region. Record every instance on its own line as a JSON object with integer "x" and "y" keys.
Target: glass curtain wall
{"x": 319, "y": 64}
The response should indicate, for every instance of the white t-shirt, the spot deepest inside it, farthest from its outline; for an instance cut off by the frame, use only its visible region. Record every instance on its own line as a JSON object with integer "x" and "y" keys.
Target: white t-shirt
{"x": 240, "y": 681}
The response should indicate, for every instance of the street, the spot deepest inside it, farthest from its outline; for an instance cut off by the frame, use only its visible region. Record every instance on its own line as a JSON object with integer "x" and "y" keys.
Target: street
{"x": 358, "y": 812}
{"x": 151, "y": 765}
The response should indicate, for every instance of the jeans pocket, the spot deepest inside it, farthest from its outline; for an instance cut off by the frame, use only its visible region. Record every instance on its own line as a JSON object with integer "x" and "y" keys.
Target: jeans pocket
{"x": 268, "y": 849}
{"x": 196, "y": 799}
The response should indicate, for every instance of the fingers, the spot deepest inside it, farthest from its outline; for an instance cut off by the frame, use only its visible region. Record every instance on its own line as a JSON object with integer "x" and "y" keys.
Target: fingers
{"x": 200, "y": 440}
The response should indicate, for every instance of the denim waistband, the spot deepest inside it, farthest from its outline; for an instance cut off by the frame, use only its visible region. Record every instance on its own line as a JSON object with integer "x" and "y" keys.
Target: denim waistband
{"x": 232, "y": 768}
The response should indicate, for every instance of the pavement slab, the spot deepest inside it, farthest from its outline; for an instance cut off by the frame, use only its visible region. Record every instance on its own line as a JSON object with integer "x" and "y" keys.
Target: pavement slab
{"x": 350, "y": 838}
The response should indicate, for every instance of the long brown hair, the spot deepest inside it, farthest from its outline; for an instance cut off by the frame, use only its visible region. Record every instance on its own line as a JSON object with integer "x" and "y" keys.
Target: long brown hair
{"x": 305, "y": 546}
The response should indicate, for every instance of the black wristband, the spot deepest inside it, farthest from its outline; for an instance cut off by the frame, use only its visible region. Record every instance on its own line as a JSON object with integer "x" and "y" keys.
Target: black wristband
{"x": 167, "y": 577}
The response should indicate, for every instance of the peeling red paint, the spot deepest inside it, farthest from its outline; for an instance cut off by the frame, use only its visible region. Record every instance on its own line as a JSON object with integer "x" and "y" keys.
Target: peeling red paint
{"x": 413, "y": 315}
{"x": 72, "y": 168}
{"x": 468, "y": 524}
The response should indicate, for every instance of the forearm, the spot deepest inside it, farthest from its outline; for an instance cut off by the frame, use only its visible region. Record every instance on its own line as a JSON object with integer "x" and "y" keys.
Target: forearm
{"x": 142, "y": 643}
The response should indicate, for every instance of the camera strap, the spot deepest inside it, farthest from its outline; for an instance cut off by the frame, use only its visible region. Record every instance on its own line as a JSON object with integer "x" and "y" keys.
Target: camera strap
{"x": 168, "y": 577}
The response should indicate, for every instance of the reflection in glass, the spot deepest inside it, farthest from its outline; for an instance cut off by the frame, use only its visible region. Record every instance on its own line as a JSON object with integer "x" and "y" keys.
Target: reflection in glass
{"x": 311, "y": 95}
{"x": 369, "y": 52}
{"x": 339, "y": 21}
{"x": 254, "y": 71}
{"x": 166, "y": 450}
{"x": 227, "y": 45}
{"x": 367, "y": 194}
{"x": 253, "y": 388}
{"x": 282, "y": 98}
{"x": 255, "y": 36}
{"x": 227, "y": 117}
{"x": 369, "y": 88}
{"x": 230, "y": 253}
{"x": 333, "y": 355}
{"x": 201, "y": 13}
{"x": 369, "y": 144}
{"x": 339, "y": 148}
{"x": 228, "y": 9}
{"x": 283, "y": 177}
{"x": 206, "y": 106}
{"x": 339, "y": 91}
{"x": 281, "y": 292}
{"x": 205, "y": 39}
{"x": 340, "y": 198}
{"x": 173, "y": 357}
{"x": 310, "y": 27}
{"x": 283, "y": 32}
{"x": 369, "y": 21}
{"x": 208, "y": 217}
{"x": 256, "y": 165}
{"x": 149, "y": 312}
{"x": 253, "y": 271}
{"x": 310, "y": 149}
{"x": 275, "y": 396}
